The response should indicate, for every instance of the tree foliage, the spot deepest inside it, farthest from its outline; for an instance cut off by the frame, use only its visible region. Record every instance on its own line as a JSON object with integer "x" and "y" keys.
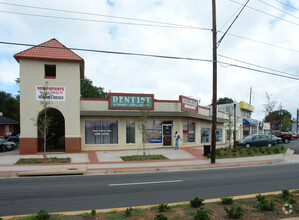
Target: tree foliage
{"x": 224, "y": 100}
{"x": 11, "y": 108}
{"x": 88, "y": 90}
{"x": 3, "y": 96}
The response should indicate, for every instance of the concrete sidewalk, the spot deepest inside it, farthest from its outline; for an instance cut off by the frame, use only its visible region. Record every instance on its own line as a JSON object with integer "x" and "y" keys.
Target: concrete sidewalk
{"x": 104, "y": 162}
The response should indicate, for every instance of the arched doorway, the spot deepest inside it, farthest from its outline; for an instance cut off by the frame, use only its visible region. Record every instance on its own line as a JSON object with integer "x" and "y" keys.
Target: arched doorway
{"x": 56, "y": 131}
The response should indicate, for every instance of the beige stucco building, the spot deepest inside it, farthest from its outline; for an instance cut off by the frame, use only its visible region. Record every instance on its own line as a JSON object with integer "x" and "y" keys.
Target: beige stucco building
{"x": 113, "y": 123}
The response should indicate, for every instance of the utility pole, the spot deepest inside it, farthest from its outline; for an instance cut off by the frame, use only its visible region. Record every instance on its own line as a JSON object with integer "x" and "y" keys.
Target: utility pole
{"x": 214, "y": 105}
{"x": 235, "y": 122}
{"x": 250, "y": 95}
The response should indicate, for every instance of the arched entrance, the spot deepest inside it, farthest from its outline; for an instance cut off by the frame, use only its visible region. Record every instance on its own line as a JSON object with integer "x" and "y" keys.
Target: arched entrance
{"x": 56, "y": 132}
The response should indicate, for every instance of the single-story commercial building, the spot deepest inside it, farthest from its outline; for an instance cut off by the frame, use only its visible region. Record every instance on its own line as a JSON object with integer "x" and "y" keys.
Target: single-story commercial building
{"x": 113, "y": 123}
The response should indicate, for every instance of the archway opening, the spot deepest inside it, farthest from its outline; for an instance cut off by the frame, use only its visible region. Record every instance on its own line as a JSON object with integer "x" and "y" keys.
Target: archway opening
{"x": 56, "y": 131}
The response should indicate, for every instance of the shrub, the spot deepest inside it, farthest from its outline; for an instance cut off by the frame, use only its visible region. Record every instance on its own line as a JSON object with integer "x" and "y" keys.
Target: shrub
{"x": 227, "y": 201}
{"x": 202, "y": 214}
{"x": 263, "y": 205}
{"x": 235, "y": 212}
{"x": 196, "y": 202}
{"x": 93, "y": 212}
{"x": 163, "y": 207}
{"x": 128, "y": 212}
{"x": 42, "y": 215}
{"x": 292, "y": 201}
{"x": 285, "y": 194}
{"x": 160, "y": 217}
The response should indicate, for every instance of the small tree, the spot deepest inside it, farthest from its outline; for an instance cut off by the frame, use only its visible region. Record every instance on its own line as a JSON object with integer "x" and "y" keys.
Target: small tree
{"x": 43, "y": 121}
{"x": 141, "y": 126}
{"x": 269, "y": 106}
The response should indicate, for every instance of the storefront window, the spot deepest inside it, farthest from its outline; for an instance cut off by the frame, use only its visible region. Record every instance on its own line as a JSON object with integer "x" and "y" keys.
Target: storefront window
{"x": 101, "y": 132}
{"x": 130, "y": 131}
{"x": 205, "y": 135}
{"x": 188, "y": 131}
{"x": 218, "y": 135}
{"x": 153, "y": 131}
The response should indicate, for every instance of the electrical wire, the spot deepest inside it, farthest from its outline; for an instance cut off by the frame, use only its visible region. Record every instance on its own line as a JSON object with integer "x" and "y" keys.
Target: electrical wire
{"x": 113, "y": 22}
{"x": 257, "y": 65}
{"x": 287, "y": 5}
{"x": 278, "y": 9}
{"x": 252, "y": 8}
{"x": 150, "y": 55}
{"x": 261, "y": 42}
{"x": 164, "y": 24}
{"x": 179, "y": 26}
{"x": 219, "y": 42}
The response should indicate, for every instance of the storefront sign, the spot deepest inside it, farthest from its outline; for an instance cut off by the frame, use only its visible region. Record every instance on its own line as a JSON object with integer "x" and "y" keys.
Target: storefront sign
{"x": 54, "y": 93}
{"x": 131, "y": 101}
{"x": 244, "y": 105}
{"x": 188, "y": 104}
{"x": 155, "y": 140}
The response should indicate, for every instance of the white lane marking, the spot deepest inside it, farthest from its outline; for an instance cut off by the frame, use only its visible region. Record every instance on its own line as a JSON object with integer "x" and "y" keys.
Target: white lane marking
{"x": 143, "y": 183}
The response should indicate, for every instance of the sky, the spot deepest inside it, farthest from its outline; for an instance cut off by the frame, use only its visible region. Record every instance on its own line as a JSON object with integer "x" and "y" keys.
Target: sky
{"x": 265, "y": 35}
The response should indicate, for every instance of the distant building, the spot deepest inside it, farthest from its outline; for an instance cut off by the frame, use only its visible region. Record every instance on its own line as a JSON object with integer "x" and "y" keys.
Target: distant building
{"x": 245, "y": 125}
{"x": 8, "y": 125}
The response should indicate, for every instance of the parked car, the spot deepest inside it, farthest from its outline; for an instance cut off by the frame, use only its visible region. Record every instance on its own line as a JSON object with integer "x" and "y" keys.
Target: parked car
{"x": 256, "y": 140}
{"x": 7, "y": 134}
{"x": 285, "y": 136}
{"x": 295, "y": 136}
{"x": 14, "y": 138}
{"x": 6, "y": 145}
{"x": 278, "y": 140}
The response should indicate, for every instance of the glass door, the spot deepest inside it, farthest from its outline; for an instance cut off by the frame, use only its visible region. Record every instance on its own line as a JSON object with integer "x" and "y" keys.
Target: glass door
{"x": 167, "y": 135}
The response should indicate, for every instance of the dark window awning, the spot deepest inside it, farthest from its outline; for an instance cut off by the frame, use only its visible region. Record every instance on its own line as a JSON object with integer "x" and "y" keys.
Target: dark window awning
{"x": 249, "y": 122}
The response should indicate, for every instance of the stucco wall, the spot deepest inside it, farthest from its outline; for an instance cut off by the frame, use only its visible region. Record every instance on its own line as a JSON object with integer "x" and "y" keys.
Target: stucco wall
{"x": 32, "y": 75}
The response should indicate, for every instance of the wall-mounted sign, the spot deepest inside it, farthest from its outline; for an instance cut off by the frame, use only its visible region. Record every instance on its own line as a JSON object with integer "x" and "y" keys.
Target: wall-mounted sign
{"x": 248, "y": 107}
{"x": 188, "y": 104}
{"x": 131, "y": 101}
{"x": 54, "y": 93}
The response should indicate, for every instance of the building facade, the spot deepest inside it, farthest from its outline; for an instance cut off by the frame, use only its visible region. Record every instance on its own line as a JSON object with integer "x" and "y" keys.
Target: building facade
{"x": 113, "y": 123}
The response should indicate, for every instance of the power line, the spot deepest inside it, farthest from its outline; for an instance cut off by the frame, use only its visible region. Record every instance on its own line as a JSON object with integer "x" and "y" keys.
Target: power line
{"x": 278, "y": 9}
{"x": 164, "y": 24}
{"x": 113, "y": 22}
{"x": 287, "y": 5}
{"x": 291, "y": 22}
{"x": 149, "y": 55}
{"x": 219, "y": 42}
{"x": 229, "y": 19}
{"x": 294, "y": 75}
{"x": 261, "y": 42}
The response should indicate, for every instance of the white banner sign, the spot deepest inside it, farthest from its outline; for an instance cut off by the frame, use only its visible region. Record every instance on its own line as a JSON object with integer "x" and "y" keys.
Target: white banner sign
{"x": 55, "y": 93}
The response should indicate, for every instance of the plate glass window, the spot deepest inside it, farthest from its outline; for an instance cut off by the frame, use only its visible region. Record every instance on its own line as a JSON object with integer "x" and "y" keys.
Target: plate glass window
{"x": 188, "y": 131}
{"x": 205, "y": 135}
{"x": 101, "y": 132}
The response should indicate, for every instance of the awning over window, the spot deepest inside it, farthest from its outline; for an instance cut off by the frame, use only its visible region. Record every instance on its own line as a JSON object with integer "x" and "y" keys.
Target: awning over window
{"x": 249, "y": 122}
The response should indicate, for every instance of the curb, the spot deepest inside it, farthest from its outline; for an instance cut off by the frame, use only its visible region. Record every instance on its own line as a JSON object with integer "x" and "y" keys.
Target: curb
{"x": 178, "y": 168}
{"x": 86, "y": 171}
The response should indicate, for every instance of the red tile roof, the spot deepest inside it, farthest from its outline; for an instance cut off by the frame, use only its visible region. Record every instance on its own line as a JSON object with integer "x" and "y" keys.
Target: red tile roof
{"x": 51, "y": 50}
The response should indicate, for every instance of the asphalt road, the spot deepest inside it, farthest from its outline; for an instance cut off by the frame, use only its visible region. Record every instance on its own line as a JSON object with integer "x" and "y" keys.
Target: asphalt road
{"x": 71, "y": 193}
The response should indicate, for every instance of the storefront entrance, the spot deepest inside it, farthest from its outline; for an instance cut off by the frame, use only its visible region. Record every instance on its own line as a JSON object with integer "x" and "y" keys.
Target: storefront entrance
{"x": 167, "y": 135}
{"x": 55, "y": 134}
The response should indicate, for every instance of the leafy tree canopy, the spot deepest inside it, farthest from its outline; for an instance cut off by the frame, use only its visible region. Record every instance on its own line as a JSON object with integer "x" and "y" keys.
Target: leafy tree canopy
{"x": 224, "y": 100}
{"x": 11, "y": 108}
{"x": 88, "y": 90}
{"x": 3, "y": 96}
{"x": 282, "y": 117}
